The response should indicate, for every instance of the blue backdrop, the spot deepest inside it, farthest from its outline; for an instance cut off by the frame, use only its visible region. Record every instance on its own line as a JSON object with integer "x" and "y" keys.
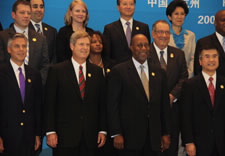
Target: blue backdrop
{"x": 200, "y": 19}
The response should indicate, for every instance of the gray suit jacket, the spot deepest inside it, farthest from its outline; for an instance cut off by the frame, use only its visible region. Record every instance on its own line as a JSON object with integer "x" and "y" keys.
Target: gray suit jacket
{"x": 38, "y": 50}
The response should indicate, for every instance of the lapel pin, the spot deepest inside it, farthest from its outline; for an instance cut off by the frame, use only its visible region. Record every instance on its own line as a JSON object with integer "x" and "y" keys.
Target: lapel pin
{"x": 89, "y": 74}
{"x": 171, "y": 55}
{"x": 108, "y": 70}
{"x": 222, "y": 86}
{"x": 137, "y": 28}
{"x": 34, "y": 39}
{"x": 46, "y": 29}
{"x": 153, "y": 74}
{"x": 29, "y": 80}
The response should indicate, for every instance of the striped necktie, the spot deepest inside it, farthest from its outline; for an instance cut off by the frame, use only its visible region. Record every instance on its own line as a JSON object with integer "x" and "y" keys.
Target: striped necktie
{"x": 82, "y": 83}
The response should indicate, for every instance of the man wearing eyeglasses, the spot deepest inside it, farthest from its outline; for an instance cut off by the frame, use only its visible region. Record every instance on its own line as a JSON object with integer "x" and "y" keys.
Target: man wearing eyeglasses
{"x": 172, "y": 60}
{"x": 37, "y": 15}
{"x": 203, "y": 109}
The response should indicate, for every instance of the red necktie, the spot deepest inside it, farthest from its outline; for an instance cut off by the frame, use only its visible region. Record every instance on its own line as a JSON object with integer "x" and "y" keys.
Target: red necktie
{"x": 81, "y": 82}
{"x": 211, "y": 89}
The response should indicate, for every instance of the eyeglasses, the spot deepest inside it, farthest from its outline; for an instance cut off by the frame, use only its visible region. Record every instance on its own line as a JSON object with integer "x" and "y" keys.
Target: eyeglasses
{"x": 160, "y": 32}
{"x": 207, "y": 56}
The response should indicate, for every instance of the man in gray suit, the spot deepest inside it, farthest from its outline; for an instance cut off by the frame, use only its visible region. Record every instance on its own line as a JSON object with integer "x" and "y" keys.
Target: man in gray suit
{"x": 37, "y": 55}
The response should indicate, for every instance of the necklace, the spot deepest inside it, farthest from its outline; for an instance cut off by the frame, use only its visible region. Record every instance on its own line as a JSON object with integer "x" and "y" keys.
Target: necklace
{"x": 99, "y": 64}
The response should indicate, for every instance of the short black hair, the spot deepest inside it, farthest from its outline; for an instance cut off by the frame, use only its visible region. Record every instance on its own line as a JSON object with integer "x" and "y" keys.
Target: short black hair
{"x": 174, "y": 4}
{"x": 207, "y": 47}
{"x": 118, "y": 2}
{"x": 18, "y": 2}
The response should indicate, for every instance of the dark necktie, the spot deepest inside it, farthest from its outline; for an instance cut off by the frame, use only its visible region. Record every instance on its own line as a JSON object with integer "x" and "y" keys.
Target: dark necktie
{"x": 128, "y": 33}
{"x": 38, "y": 28}
{"x": 22, "y": 83}
{"x": 162, "y": 61}
{"x": 81, "y": 82}
{"x": 145, "y": 82}
{"x": 211, "y": 89}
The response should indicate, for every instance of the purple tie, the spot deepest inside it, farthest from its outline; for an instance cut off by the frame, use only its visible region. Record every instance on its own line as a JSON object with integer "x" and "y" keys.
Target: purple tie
{"x": 22, "y": 83}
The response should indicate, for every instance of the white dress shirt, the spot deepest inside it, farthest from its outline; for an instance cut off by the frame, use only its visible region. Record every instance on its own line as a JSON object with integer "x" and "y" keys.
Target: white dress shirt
{"x": 123, "y": 21}
{"x": 206, "y": 77}
{"x": 17, "y": 72}
{"x": 158, "y": 52}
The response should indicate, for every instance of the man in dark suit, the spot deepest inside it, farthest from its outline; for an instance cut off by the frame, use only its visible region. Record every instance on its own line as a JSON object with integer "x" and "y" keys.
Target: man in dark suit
{"x": 203, "y": 109}
{"x": 37, "y": 55}
{"x": 217, "y": 40}
{"x": 37, "y": 15}
{"x": 75, "y": 109}
{"x": 20, "y": 102}
{"x": 119, "y": 33}
{"x": 172, "y": 60}
{"x": 138, "y": 104}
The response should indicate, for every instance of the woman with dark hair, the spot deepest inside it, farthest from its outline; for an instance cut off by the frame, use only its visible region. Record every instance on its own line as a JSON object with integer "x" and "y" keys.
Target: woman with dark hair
{"x": 181, "y": 38}
{"x": 96, "y": 52}
{"x": 76, "y": 19}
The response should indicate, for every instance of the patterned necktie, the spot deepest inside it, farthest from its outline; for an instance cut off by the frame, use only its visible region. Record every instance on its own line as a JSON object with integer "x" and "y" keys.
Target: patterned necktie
{"x": 162, "y": 61}
{"x": 224, "y": 44}
{"x": 145, "y": 82}
{"x": 128, "y": 33}
{"x": 26, "y": 60}
{"x": 82, "y": 83}
{"x": 38, "y": 27}
{"x": 211, "y": 89}
{"x": 22, "y": 83}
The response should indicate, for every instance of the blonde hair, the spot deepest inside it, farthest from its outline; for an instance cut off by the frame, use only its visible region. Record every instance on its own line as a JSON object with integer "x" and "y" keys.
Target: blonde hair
{"x": 68, "y": 18}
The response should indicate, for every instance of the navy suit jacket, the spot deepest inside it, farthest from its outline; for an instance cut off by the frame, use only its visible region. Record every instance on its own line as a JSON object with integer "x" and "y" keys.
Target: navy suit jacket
{"x": 201, "y": 123}
{"x": 19, "y": 122}
{"x": 116, "y": 47}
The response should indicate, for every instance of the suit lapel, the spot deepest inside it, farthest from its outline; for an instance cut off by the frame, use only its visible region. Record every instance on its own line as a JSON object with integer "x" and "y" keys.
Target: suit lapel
{"x": 14, "y": 82}
{"x": 28, "y": 82}
{"x": 89, "y": 75}
{"x": 204, "y": 91}
{"x": 133, "y": 74}
{"x": 72, "y": 79}
{"x": 119, "y": 28}
{"x": 217, "y": 44}
{"x": 154, "y": 56}
{"x": 170, "y": 61}
{"x": 220, "y": 86}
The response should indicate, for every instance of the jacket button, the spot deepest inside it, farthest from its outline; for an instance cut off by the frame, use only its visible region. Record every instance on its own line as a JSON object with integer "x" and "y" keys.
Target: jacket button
{"x": 24, "y": 111}
{"x": 21, "y": 124}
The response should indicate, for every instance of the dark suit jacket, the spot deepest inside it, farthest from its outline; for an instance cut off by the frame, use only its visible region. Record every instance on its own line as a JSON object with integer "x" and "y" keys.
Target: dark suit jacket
{"x": 13, "y": 112}
{"x": 201, "y": 124}
{"x": 209, "y": 40}
{"x": 129, "y": 111}
{"x": 63, "y": 51}
{"x": 50, "y": 34}
{"x": 67, "y": 114}
{"x": 176, "y": 68}
{"x": 38, "y": 51}
{"x": 116, "y": 47}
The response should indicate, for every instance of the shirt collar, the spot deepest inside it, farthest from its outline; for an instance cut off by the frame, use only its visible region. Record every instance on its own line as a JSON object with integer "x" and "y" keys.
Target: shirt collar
{"x": 220, "y": 37}
{"x": 123, "y": 21}
{"x": 137, "y": 64}
{"x": 206, "y": 77}
{"x": 23, "y": 31}
{"x": 183, "y": 32}
{"x": 76, "y": 64}
{"x": 15, "y": 66}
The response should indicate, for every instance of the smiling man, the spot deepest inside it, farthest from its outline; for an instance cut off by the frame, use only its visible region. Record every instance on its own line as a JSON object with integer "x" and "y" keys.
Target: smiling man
{"x": 203, "y": 109}
{"x": 20, "y": 102}
{"x": 75, "y": 109}
{"x": 172, "y": 60}
{"x": 37, "y": 24}
{"x": 138, "y": 104}
{"x": 119, "y": 33}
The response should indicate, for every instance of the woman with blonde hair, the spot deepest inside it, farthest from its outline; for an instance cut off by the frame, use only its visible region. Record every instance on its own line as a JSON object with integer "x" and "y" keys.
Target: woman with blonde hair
{"x": 76, "y": 19}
